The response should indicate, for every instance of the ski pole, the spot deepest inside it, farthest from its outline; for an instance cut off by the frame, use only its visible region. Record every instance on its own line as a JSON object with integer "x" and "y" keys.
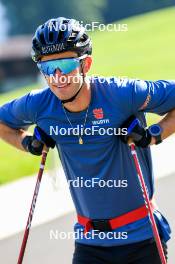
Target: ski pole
{"x": 33, "y": 204}
{"x": 147, "y": 203}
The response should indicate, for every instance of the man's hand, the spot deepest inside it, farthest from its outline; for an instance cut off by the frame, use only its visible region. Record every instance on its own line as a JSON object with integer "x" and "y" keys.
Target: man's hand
{"x": 139, "y": 135}
{"x": 34, "y": 144}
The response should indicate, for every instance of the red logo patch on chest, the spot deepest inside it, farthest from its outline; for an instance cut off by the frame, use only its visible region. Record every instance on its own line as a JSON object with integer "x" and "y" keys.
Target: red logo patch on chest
{"x": 98, "y": 113}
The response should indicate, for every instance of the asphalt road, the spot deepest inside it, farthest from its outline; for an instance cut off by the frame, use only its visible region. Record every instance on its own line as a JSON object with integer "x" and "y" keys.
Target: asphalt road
{"x": 42, "y": 249}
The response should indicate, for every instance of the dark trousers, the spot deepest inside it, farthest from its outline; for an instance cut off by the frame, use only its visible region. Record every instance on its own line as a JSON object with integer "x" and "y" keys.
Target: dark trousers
{"x": 144, "y": 252}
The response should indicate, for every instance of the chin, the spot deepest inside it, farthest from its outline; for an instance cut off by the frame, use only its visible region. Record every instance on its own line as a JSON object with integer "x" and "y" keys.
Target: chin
{"x": 61, "y": 96}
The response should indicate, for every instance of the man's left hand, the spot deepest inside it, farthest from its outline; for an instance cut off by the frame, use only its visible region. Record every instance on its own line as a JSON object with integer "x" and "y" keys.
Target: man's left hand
{"x": 137, "y": 132}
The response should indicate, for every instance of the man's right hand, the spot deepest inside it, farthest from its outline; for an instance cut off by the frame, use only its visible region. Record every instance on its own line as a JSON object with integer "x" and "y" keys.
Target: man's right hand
{"x": 34, "y": 144}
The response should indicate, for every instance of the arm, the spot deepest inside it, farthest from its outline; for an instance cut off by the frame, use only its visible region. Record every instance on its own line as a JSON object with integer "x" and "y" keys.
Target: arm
{"x": 168, "y": 125}
{"x": 13, "y": 136}
{"x": 18, "y": 115}
{"x": 23, "y": 140}
{"x": 155, "y": 97}
{"x": 15, "y": 116}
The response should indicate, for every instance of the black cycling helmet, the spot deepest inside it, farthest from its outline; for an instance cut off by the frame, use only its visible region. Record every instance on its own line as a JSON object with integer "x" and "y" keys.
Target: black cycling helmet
{"x": 58, "y": 35}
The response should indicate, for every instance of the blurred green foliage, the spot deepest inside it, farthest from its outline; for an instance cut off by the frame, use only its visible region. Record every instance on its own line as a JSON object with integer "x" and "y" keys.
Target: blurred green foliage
{"x": 14, "y": 163}
{"x": 145, "y": 51}
{"x": 25, "y": 16}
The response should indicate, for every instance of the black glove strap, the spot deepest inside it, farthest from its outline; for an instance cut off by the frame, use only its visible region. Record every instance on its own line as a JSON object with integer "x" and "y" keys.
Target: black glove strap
{"x": 158, "y": 139}
{"x": 26, "y": 141}
{"x": 145, "y": 141}
{"x": 32, "y": 145}
{"x": 44, "y": 138}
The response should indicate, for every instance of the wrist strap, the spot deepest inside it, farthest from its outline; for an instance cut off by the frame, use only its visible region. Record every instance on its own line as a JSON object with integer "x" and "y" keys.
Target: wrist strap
{"x": 25, "y": 142}
{"x": 158, "y": 139}
{"x": 145, "y": 141}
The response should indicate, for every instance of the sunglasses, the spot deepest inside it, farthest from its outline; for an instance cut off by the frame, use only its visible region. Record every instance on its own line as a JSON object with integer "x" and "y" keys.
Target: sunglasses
{"x": 66, "y": 65}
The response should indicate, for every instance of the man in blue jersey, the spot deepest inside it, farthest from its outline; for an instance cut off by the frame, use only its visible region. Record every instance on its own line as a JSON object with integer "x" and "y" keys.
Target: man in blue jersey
{"x": 113, "y": 225}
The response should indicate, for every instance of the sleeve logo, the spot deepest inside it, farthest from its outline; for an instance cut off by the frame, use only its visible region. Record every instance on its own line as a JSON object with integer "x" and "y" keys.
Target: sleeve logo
{"x": 148, "y": 99}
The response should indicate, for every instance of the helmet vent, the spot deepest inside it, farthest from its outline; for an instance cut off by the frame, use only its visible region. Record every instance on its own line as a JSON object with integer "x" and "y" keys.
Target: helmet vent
{"x": 65, "y": 21}
{"x": 35, "y": 43}
{"x": 42, "y": 39}
{"x": 73, "y": 36}
{"x": 83, "y": 38}
{"x": 50, "y": 36}
{"x": 60, "y": 36}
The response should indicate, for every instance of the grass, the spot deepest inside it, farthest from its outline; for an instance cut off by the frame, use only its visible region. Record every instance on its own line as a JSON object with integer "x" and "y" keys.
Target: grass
{"x": 5, "y": 97}
{"x": 15, "y": 164}
{"x": 145, "y": 51}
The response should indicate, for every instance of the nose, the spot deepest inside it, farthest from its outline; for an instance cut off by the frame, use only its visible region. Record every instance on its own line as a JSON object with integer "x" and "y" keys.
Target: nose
{"x": 58, "y": 73}
{"x": 59, "y": 77}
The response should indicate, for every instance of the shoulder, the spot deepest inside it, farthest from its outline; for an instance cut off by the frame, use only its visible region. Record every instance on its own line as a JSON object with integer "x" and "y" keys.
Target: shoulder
{"x": 113, "y": 82}
{"x": 40, "y": 94}
{"x": 121, "y": 92}
{"x": 39, "y": 98}
{"x": 34, "y": 102}
{"x": 114, "y": 86}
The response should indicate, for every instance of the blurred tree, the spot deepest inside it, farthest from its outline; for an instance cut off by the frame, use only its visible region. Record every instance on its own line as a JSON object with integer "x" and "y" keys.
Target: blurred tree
{"x": 25, "y": 16}
{"x": 125, "y": 8}
{"x": 3, "y": 22}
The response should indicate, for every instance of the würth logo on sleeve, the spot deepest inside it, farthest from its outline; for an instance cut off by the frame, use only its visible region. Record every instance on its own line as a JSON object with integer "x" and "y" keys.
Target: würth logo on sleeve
{"x": 98, "y": 113}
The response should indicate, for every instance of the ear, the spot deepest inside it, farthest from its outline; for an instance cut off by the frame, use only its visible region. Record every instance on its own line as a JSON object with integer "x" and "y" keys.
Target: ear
{"x": 87, "y": 62}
